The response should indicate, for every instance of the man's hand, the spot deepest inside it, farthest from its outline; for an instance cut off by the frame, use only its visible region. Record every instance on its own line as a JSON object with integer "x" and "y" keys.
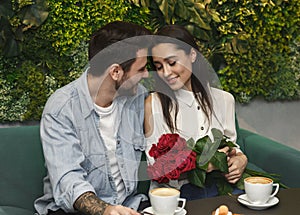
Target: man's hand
{"x": 88, "y": 203}
{"x": 119, "y": 210}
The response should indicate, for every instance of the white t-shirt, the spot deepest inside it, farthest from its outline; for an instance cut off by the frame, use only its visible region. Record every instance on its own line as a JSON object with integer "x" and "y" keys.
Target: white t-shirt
{"x": 191, "y": 120}
{"x": 108, "y": 127}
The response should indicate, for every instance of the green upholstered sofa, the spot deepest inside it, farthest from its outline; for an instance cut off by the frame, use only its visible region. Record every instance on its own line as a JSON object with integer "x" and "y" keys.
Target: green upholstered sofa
{"x": 22, "y": 165}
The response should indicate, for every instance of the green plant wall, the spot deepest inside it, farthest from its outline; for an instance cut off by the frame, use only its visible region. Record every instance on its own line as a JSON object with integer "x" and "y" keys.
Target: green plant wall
{"x": 270, "y": 30}
{"x": 55, "y": 53}
{"x": 253, "y": 45}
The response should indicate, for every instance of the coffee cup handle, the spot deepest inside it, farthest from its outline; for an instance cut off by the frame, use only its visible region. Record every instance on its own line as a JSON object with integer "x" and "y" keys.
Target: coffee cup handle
{"x": 182, "y": 205}
{"x": 276, "y": 189}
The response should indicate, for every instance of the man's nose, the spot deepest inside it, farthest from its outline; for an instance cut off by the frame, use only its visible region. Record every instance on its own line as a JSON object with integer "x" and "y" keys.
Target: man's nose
{"x": 146, "y": 73}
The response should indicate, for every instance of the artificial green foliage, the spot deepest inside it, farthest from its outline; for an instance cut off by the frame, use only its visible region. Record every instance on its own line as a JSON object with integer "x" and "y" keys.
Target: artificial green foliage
{"x": 72, "y": 22}
{"x": 17, "y": 17}
{"x": 12, "y": 108}
{"x": 31, "y": 78}
{"x": 253, "y": 45}
{"x": 249, "y": 43}
{"x": 196, "y": 15}
{"x": 266, "y": 67}
{"x": 56, "y": 53}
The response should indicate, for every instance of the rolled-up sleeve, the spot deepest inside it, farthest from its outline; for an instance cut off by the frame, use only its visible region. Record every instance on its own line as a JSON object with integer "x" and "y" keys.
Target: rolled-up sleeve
{"x": 63, "y": 156}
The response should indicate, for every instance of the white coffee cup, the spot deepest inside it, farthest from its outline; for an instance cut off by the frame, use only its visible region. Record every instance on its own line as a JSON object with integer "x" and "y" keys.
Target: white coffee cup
{"x": 259, "y": 189}
{"x": 165, "y": 201}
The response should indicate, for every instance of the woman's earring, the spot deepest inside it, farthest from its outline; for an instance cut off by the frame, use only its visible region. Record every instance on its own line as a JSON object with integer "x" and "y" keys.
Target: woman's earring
{"x": 193, "y": 55}
{"x": 193, "y": 59}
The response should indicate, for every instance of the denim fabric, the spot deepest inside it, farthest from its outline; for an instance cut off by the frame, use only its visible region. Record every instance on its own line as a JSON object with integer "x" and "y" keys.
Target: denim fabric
{"x": 75, "y": 153}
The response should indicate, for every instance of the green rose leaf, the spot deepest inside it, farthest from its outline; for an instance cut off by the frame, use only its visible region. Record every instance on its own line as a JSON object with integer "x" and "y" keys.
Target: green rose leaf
{"x": 224, "y": 187}
{"x": 224, "y": 143}
{"x": 199, "y": 163}
{"x": 197, "y": 177}
{"x": 217, "y": 134}
{"x": 201, "y": 143}
{"x": 190, "y": 143}
{"x": 219, "y": 160}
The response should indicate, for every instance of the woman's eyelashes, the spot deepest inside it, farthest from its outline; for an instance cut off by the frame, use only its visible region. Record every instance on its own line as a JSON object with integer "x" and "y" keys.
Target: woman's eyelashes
{"x": 159, "y": 66}
{"x": 172, "y": 63}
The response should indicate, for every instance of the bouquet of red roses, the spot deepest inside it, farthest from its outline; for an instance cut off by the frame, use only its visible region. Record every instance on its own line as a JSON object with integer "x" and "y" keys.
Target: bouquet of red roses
{"x": 174, "y": 156}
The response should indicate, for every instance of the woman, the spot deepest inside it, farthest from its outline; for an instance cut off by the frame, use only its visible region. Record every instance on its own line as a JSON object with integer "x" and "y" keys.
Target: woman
{"x": 184, "y": 103}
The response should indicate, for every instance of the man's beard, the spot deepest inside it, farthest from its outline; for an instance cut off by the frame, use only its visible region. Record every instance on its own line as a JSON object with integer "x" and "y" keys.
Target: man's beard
{"x": 123, "y": 91}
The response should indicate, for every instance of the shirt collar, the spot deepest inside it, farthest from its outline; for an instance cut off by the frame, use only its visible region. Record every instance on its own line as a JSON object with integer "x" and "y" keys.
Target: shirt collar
{"x": 87, "y": 104}
{"x": 185, "y": 96}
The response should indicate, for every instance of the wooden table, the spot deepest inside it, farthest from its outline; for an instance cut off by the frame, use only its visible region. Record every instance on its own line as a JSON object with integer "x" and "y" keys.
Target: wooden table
{"x": 289, "y": 203}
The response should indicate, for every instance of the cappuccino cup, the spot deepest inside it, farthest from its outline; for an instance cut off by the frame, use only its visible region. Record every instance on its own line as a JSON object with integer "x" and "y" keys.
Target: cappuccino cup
{"x": 165, "y": 201}
{"x": 259, "y": 189}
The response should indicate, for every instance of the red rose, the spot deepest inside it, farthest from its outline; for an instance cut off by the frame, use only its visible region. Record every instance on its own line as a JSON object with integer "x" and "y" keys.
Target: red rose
{"x": 153, "y": 152}
{"x": 163, "y": 179}
{"x": 172, "y": 157}
{"x": 168, "y": 163}
{"x": 156, "y": 173}
{"x": 180, "y": 145}
{"x": 166, "y": 142}
{"x": 190, "y": 162}
{"x": 186, "y": 160}
{"x": 173, "y": 175}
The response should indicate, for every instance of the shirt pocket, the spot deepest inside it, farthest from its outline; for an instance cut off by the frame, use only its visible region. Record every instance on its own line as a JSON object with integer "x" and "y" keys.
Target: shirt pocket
{"x": 97, "y": 171}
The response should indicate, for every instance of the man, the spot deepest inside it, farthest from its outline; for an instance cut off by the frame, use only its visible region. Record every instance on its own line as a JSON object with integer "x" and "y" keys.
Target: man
{"x": 92, "y": 129}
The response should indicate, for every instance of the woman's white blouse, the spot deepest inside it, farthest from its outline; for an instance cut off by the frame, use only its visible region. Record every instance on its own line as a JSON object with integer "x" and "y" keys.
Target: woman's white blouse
{"x": 191, "y": 120}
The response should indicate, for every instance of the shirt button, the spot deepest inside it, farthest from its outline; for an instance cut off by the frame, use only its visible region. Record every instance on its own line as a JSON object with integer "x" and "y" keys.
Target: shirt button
{"x": 202, "y": 128}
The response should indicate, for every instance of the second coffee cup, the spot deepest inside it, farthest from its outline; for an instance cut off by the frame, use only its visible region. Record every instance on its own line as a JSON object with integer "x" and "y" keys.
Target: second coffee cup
{"x": 165, "y": 201}
{"x": 259, "y": 189}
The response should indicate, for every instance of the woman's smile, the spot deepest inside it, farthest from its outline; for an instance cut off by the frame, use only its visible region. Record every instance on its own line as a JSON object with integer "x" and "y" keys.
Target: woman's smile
{"x": 172, "y": 80}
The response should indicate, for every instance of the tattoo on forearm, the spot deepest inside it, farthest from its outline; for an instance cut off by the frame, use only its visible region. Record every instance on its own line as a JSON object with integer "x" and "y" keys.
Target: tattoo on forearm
{"x": 88, "y": 203}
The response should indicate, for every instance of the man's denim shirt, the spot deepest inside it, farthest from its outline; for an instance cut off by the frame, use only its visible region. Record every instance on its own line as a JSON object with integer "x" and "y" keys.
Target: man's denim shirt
{"x": 75, "y": 154}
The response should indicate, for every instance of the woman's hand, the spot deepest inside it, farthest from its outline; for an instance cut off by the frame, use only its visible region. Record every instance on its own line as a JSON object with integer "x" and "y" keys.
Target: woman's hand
{"x": 211, "y": 167}
{"x": 237, "y": 163}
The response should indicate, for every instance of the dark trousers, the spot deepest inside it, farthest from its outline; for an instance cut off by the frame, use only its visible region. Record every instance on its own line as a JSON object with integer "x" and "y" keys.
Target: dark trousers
{"x": 192, "y": 192}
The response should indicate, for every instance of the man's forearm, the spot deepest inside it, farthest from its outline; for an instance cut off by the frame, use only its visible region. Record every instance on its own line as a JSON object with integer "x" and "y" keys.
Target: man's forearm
{"x": 88, "y": 203}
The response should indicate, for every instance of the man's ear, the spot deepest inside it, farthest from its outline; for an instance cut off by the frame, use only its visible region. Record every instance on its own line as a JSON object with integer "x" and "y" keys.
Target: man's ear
{"x": 115, "y": 71}
{"x": 193, "y": 55}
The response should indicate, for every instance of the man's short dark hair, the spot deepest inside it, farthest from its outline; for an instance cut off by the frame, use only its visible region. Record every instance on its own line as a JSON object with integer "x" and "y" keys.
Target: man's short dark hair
{"x": 116, "y": 42}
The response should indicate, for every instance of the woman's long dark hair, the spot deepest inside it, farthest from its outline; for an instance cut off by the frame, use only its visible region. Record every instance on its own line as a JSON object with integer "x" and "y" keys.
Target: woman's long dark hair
{"x": 183, "y": 40}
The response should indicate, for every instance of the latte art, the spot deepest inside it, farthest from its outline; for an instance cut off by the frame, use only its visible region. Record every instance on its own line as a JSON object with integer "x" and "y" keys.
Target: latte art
{"x": 258, "y": 180}
{"x": 164, "y": 192}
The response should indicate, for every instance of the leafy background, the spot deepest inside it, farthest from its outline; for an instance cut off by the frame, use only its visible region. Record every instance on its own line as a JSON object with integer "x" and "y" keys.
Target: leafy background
{"x": 253, "y": 45}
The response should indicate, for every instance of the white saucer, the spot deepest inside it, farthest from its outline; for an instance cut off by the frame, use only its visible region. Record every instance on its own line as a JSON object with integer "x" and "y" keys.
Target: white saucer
{"x": 273, "y": 201}
{"x": 150, "y": 210}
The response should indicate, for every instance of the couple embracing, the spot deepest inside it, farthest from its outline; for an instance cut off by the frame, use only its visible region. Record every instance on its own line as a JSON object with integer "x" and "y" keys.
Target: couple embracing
{"x": 95, "y": 129}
